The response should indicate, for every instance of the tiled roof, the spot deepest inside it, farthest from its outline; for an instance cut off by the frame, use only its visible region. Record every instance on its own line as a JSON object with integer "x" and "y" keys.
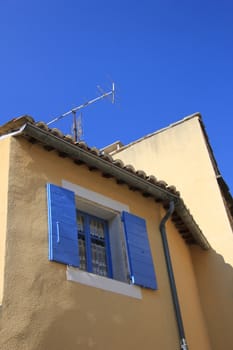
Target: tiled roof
{"x": 137, "y": 180}
{"x": 16, "y": 123}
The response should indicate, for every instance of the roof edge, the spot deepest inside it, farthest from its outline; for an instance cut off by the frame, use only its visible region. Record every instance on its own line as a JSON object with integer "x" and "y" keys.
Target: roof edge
{"x": 120, "y": 174}
{"x": 94, "y": 160}
{"x": 191, "y": 116}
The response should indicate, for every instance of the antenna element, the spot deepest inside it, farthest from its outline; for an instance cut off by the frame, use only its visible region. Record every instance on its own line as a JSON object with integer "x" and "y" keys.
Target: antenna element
{"x": 74, "y": 110}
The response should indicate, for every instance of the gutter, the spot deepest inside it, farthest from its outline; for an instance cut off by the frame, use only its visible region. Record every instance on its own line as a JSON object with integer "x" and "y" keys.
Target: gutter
{"x": 189, "y": 221}
{"x": 183, "y": 343}
{"x": 13, "y": 133}
{"x": 120, "y": 174}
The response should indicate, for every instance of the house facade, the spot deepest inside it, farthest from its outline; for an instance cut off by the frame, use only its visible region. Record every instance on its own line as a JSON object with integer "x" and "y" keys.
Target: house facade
{"x": 82, "y": 257}
{"x": 181, "y": 154}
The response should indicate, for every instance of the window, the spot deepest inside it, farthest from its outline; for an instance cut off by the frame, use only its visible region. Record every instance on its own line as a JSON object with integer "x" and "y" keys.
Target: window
{"x": 93, "y": 243}
{"x": 97, "y": 239}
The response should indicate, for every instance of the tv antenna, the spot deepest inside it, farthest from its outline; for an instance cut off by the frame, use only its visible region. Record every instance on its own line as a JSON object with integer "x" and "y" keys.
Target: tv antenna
{"x": 77, "y": 127}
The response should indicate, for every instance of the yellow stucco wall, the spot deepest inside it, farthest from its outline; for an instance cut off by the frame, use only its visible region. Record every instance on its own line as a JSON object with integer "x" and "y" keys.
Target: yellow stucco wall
{"x": 42, "y": 310}
{"x": 215, "y": 281}
{"x": 179, "y": 156}
{"x": 5, "y": 154}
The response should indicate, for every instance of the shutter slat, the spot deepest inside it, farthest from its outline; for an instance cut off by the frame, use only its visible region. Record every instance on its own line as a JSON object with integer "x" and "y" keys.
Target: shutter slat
{"x": 63, "y": 242}
{"x": 139, "y": 253}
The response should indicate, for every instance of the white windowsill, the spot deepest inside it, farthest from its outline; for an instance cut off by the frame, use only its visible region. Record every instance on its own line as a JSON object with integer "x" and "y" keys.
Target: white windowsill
{"x": 92, "y": 280}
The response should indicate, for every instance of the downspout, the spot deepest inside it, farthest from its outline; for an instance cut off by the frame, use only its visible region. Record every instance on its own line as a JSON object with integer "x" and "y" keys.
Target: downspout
{"x": 183, "y": 344}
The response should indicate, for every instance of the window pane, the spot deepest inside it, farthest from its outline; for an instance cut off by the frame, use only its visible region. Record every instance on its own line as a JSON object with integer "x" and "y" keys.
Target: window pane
{"x": 81, "y": 242}
{"x": 92, "y": 248}
{"x": 99, "y": 264}
{"x": 80, "y": 223}
{"x": 82, "y": 253}
{"x": 96, "y": 228}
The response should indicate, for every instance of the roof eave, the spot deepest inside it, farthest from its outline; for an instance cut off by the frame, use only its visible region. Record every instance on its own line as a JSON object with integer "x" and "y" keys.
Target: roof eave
{"x": 96, "y": 161}
{"x": 120, "y": 174}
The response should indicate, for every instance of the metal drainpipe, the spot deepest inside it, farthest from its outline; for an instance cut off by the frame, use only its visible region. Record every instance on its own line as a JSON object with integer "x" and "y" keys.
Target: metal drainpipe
{"x": 183, "y": 344}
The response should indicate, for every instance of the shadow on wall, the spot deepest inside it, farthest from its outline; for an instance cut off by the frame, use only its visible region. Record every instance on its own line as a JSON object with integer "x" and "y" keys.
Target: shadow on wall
{"x": 215, "y": 284}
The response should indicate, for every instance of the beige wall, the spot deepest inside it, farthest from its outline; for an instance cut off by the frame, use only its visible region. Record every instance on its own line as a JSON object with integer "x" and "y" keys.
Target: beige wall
{"x": 4, "y": 153}
{"x": 179, "y": 156}
{"x": 215, "y": 280}
{"x": 42, "y": 310}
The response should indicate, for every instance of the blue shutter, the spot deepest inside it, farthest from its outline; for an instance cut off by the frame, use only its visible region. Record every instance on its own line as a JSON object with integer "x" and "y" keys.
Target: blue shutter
{"x": 140, "y": 259}
{"x": 63, "y": 240}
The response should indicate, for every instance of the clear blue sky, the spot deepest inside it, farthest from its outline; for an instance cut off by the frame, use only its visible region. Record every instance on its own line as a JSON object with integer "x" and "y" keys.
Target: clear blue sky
{"x": 169, "y": 59}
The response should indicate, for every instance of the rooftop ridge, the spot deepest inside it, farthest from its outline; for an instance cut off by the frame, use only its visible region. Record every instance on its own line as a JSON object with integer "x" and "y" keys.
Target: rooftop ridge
{"x": 191, "y": 116}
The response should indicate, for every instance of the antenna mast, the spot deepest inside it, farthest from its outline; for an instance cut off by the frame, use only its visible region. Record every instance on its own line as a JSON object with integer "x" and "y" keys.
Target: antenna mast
{"x": 88, "y": 103}
{"x": 75, "y": 129}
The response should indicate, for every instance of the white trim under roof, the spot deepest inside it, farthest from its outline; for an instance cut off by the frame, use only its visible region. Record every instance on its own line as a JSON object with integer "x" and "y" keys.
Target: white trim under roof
{"x": 13, "y": 133}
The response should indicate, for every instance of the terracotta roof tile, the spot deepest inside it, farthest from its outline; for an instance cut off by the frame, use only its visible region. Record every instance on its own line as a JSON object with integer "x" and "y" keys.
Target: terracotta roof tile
{"x": 18, "y": 122}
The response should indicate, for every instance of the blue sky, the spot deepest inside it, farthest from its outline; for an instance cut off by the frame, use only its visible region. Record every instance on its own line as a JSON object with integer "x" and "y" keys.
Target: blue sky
{"x": 168, "y": 58}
